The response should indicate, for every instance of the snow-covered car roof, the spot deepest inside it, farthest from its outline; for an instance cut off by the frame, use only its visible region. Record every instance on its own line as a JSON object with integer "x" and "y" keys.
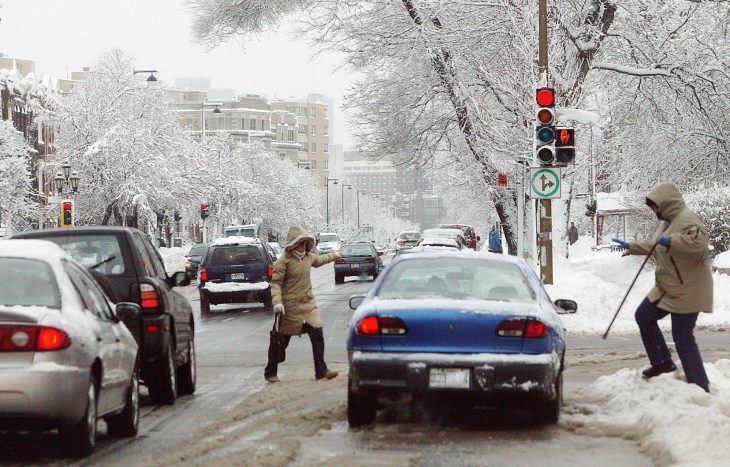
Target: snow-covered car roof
{"x": 234, "y": 241}
{"x": 34, "y": 249}
{"x": 444, "y": 241}
{"x": 442, "y": 233}
{"x": 722, "y": 260}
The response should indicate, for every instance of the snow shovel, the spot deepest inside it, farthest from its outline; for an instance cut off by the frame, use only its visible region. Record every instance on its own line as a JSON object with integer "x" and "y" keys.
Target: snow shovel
{"x": 605, "y": 334}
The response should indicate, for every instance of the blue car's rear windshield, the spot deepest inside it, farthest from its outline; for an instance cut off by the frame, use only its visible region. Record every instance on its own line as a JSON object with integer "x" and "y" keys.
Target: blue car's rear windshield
{"x": 458, "y": 279}
{"x": 357, "y": 250}
{"x": 239, "y": 254}
{"x": 27, "y": 282}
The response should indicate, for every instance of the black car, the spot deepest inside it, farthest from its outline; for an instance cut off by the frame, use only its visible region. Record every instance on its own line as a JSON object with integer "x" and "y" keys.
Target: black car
{"x": 193, "y": 258}
{"x": 165, "y": 332}
{"x": 236, "y": 270}
{"x": 357, "y": 259}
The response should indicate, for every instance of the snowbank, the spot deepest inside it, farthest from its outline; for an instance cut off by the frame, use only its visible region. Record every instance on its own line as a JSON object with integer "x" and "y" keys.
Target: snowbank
{"x": 174, "y": 258}
{"x": 598, "y": 280}
{"x": 674, "y": 422}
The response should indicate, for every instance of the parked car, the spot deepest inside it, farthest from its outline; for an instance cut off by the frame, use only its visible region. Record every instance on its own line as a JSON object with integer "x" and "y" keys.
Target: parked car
{"x": 66, "y": 358}
{"x": 469, "y": 234}
{"x": 456, "y": 325}
{"x": 445, "y": 242}
{"x": 236, "y": 270}
{"x": 357, "y": 259}
{"x": 328, "y": 242}
{"x": 247, "y": 230}
{"x": 455, "y": 234}
{"x": 407, "y": 239}
{"x": 192, "y": 259}
{"x": 425, "y": 249}
{"x": 278, "y": 250}
{"x": 165, "y": 331}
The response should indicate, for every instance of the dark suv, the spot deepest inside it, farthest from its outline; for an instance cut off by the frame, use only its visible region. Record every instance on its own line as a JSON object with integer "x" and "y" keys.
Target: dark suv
{"x": 192, "y": 259}
{"x": 165, "y": 331}
{"x": 236, "y": 270}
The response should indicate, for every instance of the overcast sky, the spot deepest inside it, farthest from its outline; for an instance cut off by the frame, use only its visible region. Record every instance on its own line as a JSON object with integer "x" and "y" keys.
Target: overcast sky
{"x": 66, "y": 35}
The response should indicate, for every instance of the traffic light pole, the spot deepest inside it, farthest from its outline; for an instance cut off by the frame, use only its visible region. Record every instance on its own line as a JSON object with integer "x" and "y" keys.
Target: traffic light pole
{"x": 546, "y": 209}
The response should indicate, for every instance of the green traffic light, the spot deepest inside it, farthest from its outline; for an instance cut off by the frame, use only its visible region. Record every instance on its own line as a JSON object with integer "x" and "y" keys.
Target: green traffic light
{"x": 545, "y": 135}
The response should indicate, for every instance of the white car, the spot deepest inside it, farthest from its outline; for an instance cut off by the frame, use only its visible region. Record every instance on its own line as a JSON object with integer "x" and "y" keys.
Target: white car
{"x": 328, "y": 242}
{"x": 278, "y": 251}
{"x": 455, "y": 234}
{"x": 445, "y": 242}
{"x": 66, "y": 357}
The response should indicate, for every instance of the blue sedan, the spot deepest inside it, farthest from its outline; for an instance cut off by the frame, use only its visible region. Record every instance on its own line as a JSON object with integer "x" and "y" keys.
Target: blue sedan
{"x": 456, "y": 324}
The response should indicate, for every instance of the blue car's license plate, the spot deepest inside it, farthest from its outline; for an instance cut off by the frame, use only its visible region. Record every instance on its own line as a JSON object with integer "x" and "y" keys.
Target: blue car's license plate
{"x": 238, "y": 276}
{"x": 449, "y": 378}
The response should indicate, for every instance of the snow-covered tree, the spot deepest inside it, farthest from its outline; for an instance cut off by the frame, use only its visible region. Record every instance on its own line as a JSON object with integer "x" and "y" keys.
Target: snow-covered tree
{"x": 16, "y": 203}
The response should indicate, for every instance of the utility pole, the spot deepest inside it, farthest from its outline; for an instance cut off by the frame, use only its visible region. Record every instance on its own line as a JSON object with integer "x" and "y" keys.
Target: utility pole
{"x": 546, "y": 209}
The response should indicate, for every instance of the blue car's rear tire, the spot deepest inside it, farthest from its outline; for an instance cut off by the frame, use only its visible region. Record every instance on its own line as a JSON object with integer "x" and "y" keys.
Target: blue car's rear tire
{"x": 548, "y": 411}
{"x": 361, "y": 408}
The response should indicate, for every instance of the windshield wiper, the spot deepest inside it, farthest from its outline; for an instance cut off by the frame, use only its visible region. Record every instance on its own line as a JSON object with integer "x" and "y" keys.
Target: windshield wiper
{"x": 103, "y": 262}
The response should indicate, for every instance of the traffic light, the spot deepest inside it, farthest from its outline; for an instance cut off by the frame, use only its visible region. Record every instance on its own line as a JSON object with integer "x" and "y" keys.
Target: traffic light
{"x": 67, "y": 213}
{"x": 544, "y": 130}
{"x": 203, "y": 211}
{"x": 502, "y": 180}
{"x": 564, "y": 146}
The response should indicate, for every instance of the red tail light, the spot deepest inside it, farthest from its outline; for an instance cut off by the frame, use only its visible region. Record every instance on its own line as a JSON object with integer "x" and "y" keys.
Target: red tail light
{"x": 369, "y": 260}
{"x": 50, "y": 339}
{"x": 32, "y": 338}
{"x": 382, "y": 325}
{"x": 148, "y": 296}
{"x": 522, "y": 327}
{"x": 339, "y": 261}
{"x": 203, "y": 275}
{"x": 400, "y": 241}
{"x": 269, "y": 272}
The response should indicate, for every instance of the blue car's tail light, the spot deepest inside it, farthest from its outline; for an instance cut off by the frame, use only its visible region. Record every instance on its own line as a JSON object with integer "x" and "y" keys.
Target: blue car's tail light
{"x": 381, "y": 325}
{"x": 522, "y": 327}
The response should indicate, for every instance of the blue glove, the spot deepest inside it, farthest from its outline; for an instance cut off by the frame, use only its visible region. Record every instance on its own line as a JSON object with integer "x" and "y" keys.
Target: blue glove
{"x": 664, "y": 241}
{"x": 624, "y": 245}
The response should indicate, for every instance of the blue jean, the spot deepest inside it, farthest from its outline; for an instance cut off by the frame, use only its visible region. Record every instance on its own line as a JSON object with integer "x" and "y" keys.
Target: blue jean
{"x": 683, "y": 324}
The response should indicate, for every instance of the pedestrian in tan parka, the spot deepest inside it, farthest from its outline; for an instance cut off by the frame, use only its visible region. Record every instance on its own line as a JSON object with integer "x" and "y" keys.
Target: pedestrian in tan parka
{"x": 683, "y": 285}
{"x": 292, "y": 296}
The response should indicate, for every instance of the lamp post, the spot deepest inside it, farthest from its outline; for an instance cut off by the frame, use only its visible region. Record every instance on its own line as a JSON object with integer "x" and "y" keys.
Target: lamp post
{"x": 342, "y": 201}
{"x": 66, "y": 180}
{"x": 327, "y": 181}
{"x": 151, "y": 78}
{"x": 358, "y": 208}
{"x": 306, "y": 165}
{"x": 217, "y": 110}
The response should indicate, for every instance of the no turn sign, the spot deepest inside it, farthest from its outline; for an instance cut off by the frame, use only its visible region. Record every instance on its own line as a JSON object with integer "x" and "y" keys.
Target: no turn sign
{"x": 545, "y": 182}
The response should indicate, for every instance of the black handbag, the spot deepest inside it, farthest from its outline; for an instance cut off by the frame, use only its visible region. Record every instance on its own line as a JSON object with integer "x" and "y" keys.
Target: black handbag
{"x": 277, "y": 350}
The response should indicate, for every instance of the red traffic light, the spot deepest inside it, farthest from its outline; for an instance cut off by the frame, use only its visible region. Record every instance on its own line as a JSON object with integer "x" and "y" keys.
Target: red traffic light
{"x": 66, "y": 206}
{"x": 545, "y": 97}
{"x": 502, "y": 179}
{"x": 203, "y": 206}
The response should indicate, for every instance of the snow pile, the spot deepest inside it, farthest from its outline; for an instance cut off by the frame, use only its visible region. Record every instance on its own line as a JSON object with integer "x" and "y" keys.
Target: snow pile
{"x": 235, "y": 286}
{"x": 598, "y": 280}
{"x": 174, "y": 258}
{"x": 675, "y": 422}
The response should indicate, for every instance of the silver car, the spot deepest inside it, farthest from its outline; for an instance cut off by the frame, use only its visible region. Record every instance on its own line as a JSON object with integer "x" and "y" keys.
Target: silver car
{"x": 66, "y": 358}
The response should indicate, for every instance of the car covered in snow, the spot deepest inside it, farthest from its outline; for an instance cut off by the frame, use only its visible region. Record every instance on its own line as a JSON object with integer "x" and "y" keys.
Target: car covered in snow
{"x": 721, "y": 263}
{"x": 456, "y": 325}
{"x": 328, "y": 242}
{"x": 66, "y": 357}
{"x": 236, "y": 270}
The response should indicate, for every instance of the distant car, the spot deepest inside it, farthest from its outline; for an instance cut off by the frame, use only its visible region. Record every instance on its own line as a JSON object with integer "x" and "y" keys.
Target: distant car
{"x": 192, "y": 259}
{"x": 248, "y": 230}
{"x": 407, "y": 239}
{"x": 456, "y": 325}
{"x": 445, "y": 242}
{"x": 66, "y": 357}
{"x": 357, "y": 259}
{"x": 278, "y": 250}
{"x": 328, "y": 242}
{"x": 472, "y": 239}
{"x": 721, "y": 262}
{"x": 425, "y": 249}
{"x": 455, "y": 234}
{"x": 361, "y": 239}
{"x": 165, "y": 331}
{"x": 236, "y": 270}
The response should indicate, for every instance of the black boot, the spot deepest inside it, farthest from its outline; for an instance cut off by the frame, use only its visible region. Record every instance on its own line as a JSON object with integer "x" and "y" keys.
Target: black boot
{"x": 656, "y": 370}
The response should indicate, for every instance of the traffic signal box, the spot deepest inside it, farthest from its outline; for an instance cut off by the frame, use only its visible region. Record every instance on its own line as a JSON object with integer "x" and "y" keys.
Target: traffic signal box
{"x": 553, "y": 145}
{"x": 203, "y": 211}
{"x": 67, "y": 213}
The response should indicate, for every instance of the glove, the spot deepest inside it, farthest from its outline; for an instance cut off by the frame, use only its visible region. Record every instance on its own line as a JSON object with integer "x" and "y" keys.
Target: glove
{"x": 664, "y": 241}
{"x": 279, "y": 308}
{"x": 624, "y": 245}
{"x": 338, "y": 255}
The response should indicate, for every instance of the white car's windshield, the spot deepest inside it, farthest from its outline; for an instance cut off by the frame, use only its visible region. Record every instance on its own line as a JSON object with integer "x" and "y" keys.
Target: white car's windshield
{"x": 329, "y": 238}
{"x": 457, "y": 278}
{"x": 27, "y": 282}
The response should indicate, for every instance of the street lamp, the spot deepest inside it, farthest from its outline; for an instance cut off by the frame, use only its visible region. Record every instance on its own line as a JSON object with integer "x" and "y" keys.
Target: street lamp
{"x": 342, "y": 201}
{"x": 306, "y": 165}
{"x": 66, "y": 180}
{"x": 327, "y": 181}
{"x": 151, "y": 78}
{"x": 203, "y": 104}
{"x": 358, "y": 208}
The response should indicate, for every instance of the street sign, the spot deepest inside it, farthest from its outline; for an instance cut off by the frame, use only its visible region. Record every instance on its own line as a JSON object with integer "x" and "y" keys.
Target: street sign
{"x": 545, "y": 183}
{"x": 502, "y": 180}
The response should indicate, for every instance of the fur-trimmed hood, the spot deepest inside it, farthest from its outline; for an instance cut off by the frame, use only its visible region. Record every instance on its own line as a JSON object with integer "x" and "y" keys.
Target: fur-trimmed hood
{"x": 297, "y": 234}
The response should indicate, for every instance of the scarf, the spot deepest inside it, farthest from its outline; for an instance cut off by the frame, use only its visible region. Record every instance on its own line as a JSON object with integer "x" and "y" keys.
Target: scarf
{"x": 299, "y": 254}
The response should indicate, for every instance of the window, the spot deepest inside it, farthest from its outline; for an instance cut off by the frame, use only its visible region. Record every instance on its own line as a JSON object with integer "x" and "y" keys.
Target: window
{"x": 302, "y": 129}
{"x": 90, "y": 250}
{"x": 93, "y": 298}
{"x": 325, "y": 116}
{"x": 157, "y": 262}
{"x": 28, "y": 282}
{"x": 232, "y": 255}
{"x": 326, "y": 165}
{"x": 326, "y": 147}
{"x": 263, "y": 124}
{"x": 290, "y": 135}
{"x": 301, "y": 111}
{"x": 314, "y": 130}
{"x": 313, "y": 164}
{"x": 305, "y": 147}
{"x": 313, "y": 112}
{"x": 326, "y": 130}
{"x": 146, "y": 261}
{"x": 314, "y": 147}
{"x": 253, "y": 124}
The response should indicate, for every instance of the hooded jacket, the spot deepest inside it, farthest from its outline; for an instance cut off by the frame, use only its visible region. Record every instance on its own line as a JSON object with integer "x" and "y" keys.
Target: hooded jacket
{"x": 291, "y": 284}
{"x": 683, "y": 274}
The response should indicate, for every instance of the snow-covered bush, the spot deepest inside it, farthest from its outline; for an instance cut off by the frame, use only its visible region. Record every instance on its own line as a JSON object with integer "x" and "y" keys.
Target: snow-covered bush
{"x": 712, "y": 207}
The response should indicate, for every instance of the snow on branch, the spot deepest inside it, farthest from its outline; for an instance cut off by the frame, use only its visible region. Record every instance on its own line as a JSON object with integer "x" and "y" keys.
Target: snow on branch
{"x": 629, "y": 70}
